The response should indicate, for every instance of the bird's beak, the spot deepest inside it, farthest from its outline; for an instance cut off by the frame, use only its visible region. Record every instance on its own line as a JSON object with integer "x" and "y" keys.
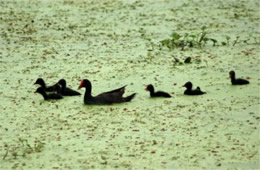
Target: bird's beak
{"x": 81, "y": 85}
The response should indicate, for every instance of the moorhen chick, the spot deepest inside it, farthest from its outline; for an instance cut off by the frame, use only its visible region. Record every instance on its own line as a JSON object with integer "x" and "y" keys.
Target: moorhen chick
{"x": 57, "y": 88}
{"x": 238, "y": 81}
{"x": 114, "y": 96}
{"x": 150, "y": 88}
{"x": 65, "y": 91}
{"x": 48, "y": 96}
{"x": 41, "y": 82}
{"x": 189, "y": 90}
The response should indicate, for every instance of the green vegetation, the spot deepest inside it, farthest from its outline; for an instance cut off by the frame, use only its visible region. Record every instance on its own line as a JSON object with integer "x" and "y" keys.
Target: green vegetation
{"x": 234, "y": 42}
{"x": 188, "y": 40}
{"x": 199, "y": 40}
{"x": 22, "y": 148}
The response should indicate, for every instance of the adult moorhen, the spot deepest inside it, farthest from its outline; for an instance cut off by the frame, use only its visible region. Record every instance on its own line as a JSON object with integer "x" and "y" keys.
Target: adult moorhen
{"x": 41, "y": 82}
{"x": 65, "y": 91}
{"x": 48, "y": 96}
{"x": 150, "y": 88}
{"x": 238, "y": 81}
{"x": 189, "y": 90}
{"x": 114, "y": 96}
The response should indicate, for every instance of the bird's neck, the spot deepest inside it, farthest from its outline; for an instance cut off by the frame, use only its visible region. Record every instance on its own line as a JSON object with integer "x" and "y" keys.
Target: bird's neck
{"x": 189, "y": 88}
{"x": 44, "y": 85}
{"x": 62, "y": 89}
{"x": 233, "y": 79}
{"x": 87, "y": 94}
{"x": 151, "y": 92}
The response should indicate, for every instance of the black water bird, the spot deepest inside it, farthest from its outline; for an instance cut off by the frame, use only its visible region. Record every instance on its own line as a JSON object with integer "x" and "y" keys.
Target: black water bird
{"x": 65, "y": 91}
{"x": 189, "y": 90}
{"x": 49, "y": 96}
{"x": 42, "y": 84}
{"x": 150, "y": 88}
{"x": 238, "y": 81}
{"x": 114, "y": 96}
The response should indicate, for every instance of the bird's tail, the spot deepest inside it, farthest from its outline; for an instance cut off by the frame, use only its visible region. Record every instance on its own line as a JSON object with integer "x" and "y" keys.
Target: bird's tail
{"x": 129, "y": 98}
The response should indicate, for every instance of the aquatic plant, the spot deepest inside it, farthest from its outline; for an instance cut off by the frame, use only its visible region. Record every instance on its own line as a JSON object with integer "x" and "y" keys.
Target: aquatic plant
{"x": 188, "y": 40}
{"x": 22, "y": 148}
{"x": 235, "y": 41}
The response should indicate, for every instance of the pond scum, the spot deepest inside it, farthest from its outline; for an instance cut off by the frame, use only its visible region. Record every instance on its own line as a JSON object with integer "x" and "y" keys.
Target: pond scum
{"x": 135, "y": 43}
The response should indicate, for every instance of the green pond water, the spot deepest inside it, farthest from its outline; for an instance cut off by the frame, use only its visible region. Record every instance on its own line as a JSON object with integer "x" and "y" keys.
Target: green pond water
{"x": 118, "y": 42}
